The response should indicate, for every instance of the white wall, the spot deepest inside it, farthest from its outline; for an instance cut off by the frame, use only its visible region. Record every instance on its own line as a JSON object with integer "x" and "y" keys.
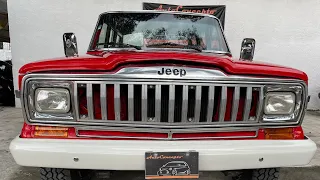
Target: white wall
{"x": 287, "y": 32}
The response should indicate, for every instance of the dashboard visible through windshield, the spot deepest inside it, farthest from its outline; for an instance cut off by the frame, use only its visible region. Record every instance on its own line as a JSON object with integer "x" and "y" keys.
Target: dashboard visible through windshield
{"x": 158, "y": 30}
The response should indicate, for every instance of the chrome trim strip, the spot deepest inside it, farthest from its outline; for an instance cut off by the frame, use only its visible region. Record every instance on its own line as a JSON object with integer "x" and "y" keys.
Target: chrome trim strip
{"x": 90, "y": 101}
{"x": 210, "y": 103}
{"x": 260, "y": 103}
{"x": 171, "y": 103}
{"x": 235, "y": 104}
{"x": 130, "y": 102}
{"x": 157, "y": 103}
{"x": 117, "y": 114}
{"x": 198, "y": 104}
{"x": 168, "y": 132}
{"x": 144, "y": 103}
{"x": 242, "y": 81}
{"x": 223, "y": 103}
{"x": 161, "y": 130}
{"x": 103, "y": 100}
{"x": 184, "y": 109}
{"x": 247, "y": 106}
{"x": 76, "y": 101}
{"x": 169, "y": 137}
{"x": 152, "y": 72}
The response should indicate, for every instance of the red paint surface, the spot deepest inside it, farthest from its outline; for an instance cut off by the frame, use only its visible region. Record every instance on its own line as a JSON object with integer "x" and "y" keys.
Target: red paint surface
{"x": 214, "y": 134}
{"x": 298, "y": 133}
{"x": 122, "y": 134}
{"x": 100, "y": 61}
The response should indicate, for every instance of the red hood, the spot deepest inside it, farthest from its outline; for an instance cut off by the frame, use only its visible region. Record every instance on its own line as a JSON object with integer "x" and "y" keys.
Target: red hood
{"x": 110, "y": 61}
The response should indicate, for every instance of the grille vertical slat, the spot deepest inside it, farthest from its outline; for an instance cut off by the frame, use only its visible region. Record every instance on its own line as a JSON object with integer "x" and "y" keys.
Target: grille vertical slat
{"x": 184, "y": 108}
{"x": 130, "y": 103}
{"x": 210, "y": 104}
{"x": 157, "y": 117}
{"x": 144, "y": 103}
{"x": 235, "y": 104}
{"x": 76, "y": 101}
{"x": 198, "y": 104}
{"x": 171, "y": 103}
{"x": 117, "y": 102}
{"x": 89, "y": 101}
{"x": 223, "y": 103}
{"x": 260, "y": 103}
{"x": 247, "y": 104}
{"x": 103, "y": 101}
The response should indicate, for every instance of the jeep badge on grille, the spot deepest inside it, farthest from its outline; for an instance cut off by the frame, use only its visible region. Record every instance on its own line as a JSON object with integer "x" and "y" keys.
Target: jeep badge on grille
{"x": 173, "y": 71}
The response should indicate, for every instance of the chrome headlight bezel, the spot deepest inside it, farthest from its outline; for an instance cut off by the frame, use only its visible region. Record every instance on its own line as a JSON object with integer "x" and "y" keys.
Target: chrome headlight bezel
{"x": 299, "y": 91}
{"x": 36, "y": 115}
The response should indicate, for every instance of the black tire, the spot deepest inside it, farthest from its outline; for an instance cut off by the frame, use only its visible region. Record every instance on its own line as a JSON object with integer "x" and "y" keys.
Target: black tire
{"x": 173, "y": 172}
{"x": 54, "y": 174}
{"x": 265, "y": 174}
{"x": 258, "y": 174}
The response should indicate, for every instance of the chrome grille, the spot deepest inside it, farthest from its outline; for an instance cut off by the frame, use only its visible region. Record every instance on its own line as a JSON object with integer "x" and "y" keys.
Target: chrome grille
{"x": 168, "y": 103}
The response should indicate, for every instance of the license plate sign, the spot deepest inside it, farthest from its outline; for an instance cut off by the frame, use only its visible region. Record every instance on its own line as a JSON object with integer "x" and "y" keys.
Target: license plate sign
{"x": 172, "y": 165}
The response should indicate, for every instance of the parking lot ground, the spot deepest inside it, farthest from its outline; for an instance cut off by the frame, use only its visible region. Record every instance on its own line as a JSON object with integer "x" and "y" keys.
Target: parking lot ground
{"x": 11, "y": 122}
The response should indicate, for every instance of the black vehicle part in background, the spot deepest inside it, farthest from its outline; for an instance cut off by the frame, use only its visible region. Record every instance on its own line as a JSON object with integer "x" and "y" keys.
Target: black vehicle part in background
{"x": 6, "y": 84}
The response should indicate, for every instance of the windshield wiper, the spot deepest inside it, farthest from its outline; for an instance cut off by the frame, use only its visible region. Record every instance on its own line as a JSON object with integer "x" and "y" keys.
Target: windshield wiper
{"x": 120, "y": 45}
{"x": 197, "y": 48}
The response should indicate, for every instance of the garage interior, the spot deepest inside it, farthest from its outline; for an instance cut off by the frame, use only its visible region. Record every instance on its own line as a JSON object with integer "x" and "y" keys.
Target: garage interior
{"x": 6, "y": 78}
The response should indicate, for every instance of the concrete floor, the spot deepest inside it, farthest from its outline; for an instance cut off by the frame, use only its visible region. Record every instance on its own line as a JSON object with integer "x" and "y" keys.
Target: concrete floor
{"x": 11, "y": 123}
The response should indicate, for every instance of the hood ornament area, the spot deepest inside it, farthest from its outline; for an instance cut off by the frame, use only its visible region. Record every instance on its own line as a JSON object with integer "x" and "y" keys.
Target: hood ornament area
{"x": 174, "y": 71}
{"x": 169, "y": 72}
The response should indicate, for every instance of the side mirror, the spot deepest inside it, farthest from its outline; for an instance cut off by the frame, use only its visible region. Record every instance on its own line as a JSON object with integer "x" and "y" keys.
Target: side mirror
{"x": 247, "y": 49}
{"x": 70, "y": 44}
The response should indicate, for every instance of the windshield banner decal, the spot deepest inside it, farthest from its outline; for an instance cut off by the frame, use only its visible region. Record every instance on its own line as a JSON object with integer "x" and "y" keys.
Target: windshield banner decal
{"x": 215, "y": 10}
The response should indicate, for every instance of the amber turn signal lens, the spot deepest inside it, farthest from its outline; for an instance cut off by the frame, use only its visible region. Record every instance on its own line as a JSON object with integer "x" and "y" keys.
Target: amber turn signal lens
{"x": 44, "y": 131}
{"x": 279, "y": 133}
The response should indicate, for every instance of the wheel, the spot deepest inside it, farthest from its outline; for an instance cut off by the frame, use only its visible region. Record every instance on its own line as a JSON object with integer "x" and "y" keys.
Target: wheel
{"x": 258, "y": 174}
{"x": 265, "y": 174}
{"x": 188, "y": 172}
{"x": 54, "y": 174}
{"x": 65, "y": 174}
{"x": 174, "y": 172}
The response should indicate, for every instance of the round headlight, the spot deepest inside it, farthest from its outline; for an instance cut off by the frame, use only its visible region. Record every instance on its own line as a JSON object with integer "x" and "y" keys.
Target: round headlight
{"x": 52, "y": 100}
{"x": 279, "y": 103}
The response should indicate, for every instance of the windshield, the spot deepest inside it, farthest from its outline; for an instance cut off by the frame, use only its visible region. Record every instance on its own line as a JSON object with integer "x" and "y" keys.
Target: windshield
{"x": 158, "y": 30}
